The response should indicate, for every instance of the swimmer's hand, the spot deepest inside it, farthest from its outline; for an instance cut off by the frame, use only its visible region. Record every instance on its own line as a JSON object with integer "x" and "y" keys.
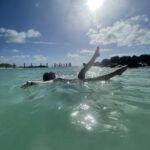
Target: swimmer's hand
{"x": 27, "y": 84}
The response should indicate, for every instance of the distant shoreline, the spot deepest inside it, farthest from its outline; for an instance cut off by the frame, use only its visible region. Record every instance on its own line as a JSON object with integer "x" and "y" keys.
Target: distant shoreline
{"x": 115, "y": 61}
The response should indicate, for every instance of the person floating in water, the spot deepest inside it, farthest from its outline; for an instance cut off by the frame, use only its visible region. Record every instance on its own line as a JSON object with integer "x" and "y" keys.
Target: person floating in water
{"x": 51, "y": 77}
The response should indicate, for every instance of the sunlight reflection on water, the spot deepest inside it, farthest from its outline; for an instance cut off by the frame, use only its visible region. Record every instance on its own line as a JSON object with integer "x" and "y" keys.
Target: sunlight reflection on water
{"x": 82, "y": 116}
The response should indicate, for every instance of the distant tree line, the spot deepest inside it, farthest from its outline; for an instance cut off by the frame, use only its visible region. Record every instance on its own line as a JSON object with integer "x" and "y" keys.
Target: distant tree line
{"x": 6, "y": 65}
{"x": 131, "y": 61}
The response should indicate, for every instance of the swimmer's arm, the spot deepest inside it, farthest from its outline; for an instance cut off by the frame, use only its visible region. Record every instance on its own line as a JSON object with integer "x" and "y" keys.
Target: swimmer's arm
{"x": 30, "y": 83}
{"x": 41, "y": 82}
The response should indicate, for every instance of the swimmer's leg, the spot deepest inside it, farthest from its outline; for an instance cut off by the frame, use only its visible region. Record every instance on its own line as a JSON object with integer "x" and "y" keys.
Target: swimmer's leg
{"x": 87, "y": 66}
{"x": 119, "y": 71}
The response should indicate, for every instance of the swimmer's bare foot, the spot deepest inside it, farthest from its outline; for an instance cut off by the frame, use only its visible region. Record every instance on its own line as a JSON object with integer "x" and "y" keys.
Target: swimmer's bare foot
{"x": 84, "y": 64}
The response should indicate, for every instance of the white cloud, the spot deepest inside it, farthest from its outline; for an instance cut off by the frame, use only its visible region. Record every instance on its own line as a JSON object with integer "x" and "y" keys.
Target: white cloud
{"x": 21, "y": 56}
{"x": 49, "y": 43}
{"x": 13, "y": 36}
{"x": 73, "y": 55}
{"x": 90, "y": 52}
{"x": 39, "y": 58}
{"x": 34, "y": 59}
{"x": 76, "y": 59}
{"x": 140, "y": 18}
{"x": 83, "y": 55}
{"x": 128, "y": 32}
{"x": 3, "y": 59}
{"x": 105, "y": 50}
{"x": 28, "y": 59}
{"x": 86, "y": 51}
{"x": 31, "y": 33}
{"x": 80, "y": 56}
{"x": 45, "y": 43}
{"x": 15, "y": 51}
{"x": 37, "y": 4}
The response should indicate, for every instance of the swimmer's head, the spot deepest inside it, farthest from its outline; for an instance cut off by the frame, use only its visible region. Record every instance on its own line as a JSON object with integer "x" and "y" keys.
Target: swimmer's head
{"x": 48, "y": 76}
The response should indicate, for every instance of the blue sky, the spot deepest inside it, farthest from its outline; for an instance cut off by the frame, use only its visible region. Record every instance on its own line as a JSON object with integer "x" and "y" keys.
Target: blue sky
{"x": 41, "y": 31}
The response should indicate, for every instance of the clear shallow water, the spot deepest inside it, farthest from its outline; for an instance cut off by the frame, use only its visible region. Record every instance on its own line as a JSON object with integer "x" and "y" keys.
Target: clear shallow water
{"x": 112, "y": 115}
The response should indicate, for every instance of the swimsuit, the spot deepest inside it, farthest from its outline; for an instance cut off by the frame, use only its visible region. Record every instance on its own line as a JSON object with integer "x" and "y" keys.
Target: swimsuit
{"x": 59, "y": 79}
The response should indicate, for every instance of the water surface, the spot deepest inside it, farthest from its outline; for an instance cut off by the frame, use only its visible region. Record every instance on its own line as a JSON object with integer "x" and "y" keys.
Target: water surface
{"x": 111, "y": 115}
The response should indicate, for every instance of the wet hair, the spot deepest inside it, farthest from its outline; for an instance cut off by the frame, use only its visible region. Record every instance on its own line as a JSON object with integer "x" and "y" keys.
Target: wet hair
{"x": 48, "y": 76}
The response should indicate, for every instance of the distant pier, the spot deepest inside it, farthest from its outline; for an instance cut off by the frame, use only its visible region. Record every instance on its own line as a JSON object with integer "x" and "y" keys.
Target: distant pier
{"x": 61, "y": 65}
{"x": 35, "y": 66}
{"x": 55, "y": 65}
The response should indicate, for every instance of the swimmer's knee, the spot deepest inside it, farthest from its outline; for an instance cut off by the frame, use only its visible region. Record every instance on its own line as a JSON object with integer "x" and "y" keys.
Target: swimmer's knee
{"x": 81, "y": 76}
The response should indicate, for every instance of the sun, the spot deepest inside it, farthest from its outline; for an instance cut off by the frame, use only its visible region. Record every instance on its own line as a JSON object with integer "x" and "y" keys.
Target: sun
{"x": 94, "y": 4}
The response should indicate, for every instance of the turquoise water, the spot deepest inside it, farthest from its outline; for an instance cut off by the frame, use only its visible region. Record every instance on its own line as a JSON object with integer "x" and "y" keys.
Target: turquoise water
{"x": 112, "y": 115}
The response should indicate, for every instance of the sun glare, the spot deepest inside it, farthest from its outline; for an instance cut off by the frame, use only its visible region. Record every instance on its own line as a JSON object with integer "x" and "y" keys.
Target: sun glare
{"x": 94, "y": 4}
